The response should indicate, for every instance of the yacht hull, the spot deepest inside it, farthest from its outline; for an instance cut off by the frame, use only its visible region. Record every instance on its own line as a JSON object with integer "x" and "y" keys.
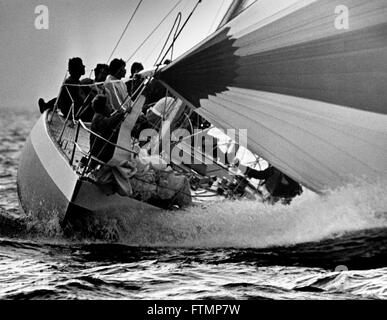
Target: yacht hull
{"x": 49, "y": 188}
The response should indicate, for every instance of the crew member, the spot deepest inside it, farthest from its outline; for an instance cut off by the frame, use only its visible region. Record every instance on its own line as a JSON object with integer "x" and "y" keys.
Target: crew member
{"x": 280, "y": 186}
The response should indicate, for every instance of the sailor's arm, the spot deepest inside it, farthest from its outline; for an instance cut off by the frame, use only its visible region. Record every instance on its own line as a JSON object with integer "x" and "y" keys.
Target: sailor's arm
{"x": 115, "y": 119}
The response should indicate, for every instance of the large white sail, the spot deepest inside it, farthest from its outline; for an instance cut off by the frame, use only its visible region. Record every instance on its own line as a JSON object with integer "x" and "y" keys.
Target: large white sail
{"x": 306, "y": 78}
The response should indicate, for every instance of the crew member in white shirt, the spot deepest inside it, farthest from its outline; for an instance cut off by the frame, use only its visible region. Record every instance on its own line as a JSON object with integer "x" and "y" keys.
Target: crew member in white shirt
{"x": 160, "y": 111}
{"x": 116, "y": 89}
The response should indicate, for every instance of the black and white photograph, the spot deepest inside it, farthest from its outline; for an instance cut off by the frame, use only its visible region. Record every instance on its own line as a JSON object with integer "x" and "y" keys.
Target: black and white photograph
{"x": 211, "y": 152}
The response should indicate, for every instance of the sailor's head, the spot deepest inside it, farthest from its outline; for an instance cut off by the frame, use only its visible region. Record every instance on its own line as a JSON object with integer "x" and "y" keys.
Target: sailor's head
{"x": 136, "y": 68}
{"x": 101, "y": 106}
{"x": 76, "y": 67}
{"x": 117, "y": 68}
{"x": 101, "y": 71}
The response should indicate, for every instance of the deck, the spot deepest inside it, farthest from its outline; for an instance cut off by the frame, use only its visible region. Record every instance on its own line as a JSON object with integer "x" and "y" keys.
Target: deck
{"x": 67, "y": 135}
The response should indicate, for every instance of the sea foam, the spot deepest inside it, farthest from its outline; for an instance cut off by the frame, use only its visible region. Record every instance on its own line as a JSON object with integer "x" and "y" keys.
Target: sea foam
{"x": 249, "y": 224}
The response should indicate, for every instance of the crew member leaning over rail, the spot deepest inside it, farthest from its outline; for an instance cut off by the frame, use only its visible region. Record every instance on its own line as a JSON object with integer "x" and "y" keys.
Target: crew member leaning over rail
{"x": 70, "y": 92}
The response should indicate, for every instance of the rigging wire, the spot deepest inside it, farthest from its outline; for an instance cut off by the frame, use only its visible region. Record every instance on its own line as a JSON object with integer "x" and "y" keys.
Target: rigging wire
{"x": 175, "y": 38}
{"x": 151, "y": 52}
{"x": 125, "y": 29}
{"x": 175, "y": 24}
{"x": 217, "y": 15}
{"x": 181, "y": 29}
{"x": 154, "y": 30}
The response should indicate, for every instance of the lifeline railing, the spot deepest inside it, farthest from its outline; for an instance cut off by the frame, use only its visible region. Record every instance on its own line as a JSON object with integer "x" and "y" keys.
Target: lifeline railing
{"x": 74, "y": 140}
{"x": 71, "y": 118}
{"x": 88, "y": 155}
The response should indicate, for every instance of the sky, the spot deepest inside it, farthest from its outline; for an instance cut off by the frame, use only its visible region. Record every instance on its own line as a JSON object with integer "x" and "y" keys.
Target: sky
{"x": 33, "y": 62}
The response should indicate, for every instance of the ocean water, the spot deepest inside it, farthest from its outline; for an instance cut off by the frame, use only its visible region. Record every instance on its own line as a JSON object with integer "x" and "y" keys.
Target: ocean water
{"x": 331, "y": 247}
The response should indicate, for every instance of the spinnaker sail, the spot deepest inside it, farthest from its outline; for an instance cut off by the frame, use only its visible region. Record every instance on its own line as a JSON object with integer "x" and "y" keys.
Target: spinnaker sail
{"x": 306, "y": 78}
{"x": 236, "y": 7}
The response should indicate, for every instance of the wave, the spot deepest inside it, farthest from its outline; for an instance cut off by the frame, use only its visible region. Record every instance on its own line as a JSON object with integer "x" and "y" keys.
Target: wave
{"x": 370, "y": 284}
{"x": 242, "y": 224}
{"x": 311, "y": 218}
{"x": 245, "y": 224}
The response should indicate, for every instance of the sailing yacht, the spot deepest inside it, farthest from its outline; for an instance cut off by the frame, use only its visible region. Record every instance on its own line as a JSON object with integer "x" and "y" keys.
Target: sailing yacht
{"x": 305, "y": 78}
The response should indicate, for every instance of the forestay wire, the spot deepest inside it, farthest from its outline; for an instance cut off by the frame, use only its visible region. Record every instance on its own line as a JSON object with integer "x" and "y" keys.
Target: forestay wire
{"x": 176, "y": 25}
{"x": 125, "y": 29}
{"x": 180, "y": 31}
{"x": 154, "y": 30}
